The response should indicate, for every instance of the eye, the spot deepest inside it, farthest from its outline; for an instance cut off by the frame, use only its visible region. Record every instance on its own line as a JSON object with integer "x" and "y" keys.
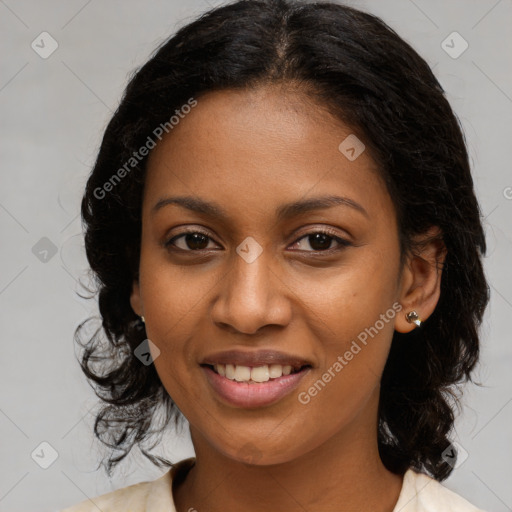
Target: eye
{"x": 192, "y": 241}
{"x": 320, "y": 241}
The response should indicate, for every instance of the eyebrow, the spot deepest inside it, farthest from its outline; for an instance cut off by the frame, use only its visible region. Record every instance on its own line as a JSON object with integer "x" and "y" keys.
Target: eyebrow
{"x": 284, "y": 212}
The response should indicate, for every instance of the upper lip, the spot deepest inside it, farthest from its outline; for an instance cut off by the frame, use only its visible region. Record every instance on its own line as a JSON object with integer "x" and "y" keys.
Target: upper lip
{"x": 255, "y": 358}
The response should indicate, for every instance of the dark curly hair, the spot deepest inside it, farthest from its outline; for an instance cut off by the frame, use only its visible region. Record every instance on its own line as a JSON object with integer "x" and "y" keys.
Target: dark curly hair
{"x": 359, "y": 69}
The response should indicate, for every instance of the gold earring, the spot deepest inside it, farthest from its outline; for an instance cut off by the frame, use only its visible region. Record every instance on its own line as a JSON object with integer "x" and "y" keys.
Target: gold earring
{"x": 413, "y": 318}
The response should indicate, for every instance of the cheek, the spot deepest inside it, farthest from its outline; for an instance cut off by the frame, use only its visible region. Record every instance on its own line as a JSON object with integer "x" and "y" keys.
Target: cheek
{"x": 173, "y": 294}
{"x": 173, "y": 299}
{"x": 352, "y": 297}
{"x": 356, "y": 313}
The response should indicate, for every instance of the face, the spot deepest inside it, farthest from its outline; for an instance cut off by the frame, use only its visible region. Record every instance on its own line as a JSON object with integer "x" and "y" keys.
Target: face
{"x": 308, "y": 283}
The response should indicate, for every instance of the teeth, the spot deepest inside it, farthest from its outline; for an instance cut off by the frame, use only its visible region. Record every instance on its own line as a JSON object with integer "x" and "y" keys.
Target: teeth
{"x": 242, "y": 373}
{"x": 261, "y": 374}
{"x": 275, "y": 370}
{"x": 230, "y": 371}
{"x": 252, "y": 374}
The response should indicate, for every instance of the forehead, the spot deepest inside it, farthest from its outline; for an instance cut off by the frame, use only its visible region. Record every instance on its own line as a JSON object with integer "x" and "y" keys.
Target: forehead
{"x": 253, "y": 148}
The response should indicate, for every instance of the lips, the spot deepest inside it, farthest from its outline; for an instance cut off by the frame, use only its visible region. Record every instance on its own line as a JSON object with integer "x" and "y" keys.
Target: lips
{"x": 257, "y": 378}
{"x": 256, "y": 358}
{"x": 248, "y": 395}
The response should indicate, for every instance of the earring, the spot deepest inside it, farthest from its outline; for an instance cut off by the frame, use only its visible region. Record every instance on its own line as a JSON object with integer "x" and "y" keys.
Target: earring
{"x": 413, "y": 318}
{"x": 142, "y": 318}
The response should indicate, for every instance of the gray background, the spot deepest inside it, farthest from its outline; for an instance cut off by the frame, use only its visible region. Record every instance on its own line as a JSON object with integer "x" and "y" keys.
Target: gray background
{"x": 53, "y": 113}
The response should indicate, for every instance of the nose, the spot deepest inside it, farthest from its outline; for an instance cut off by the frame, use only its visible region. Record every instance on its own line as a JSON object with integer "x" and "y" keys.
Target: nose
{"x": 251, "y": 296}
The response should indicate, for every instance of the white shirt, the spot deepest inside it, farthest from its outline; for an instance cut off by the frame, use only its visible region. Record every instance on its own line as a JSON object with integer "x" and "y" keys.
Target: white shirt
{"x": 420, "y": 493}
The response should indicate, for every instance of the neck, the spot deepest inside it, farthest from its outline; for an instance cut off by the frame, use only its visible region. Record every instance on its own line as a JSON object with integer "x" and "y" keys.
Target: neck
{"x": 344, "y": 473}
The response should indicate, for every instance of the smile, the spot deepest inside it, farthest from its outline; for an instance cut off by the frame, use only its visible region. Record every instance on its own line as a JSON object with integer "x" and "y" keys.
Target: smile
{"x": 263, "y": 373}
{"x": 250, "y": 387}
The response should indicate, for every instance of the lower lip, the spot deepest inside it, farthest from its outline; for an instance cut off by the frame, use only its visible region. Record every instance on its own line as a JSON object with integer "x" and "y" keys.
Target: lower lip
{"x": 243, "y": 394}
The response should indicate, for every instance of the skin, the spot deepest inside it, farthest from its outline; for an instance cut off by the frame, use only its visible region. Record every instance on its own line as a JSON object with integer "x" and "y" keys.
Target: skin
{"x": 250, "y": 152}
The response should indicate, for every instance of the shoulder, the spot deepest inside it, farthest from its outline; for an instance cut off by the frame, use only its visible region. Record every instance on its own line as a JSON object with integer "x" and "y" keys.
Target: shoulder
{"x": 151, "y": 496}
{"x": 131, "y": 498}
{"x": 421, "y": 493}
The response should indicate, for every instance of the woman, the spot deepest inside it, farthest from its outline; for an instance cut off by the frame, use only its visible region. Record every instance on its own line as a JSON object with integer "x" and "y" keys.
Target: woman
{"x": 288, "y": 250}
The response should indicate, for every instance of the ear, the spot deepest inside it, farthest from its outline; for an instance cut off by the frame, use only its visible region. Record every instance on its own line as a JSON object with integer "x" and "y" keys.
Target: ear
{"x": 420, "y": 285}
{"x": 135, "y": 298}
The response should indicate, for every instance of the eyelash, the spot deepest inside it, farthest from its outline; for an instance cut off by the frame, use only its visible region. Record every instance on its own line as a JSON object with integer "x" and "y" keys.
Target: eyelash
{"x": 342, "y": 242}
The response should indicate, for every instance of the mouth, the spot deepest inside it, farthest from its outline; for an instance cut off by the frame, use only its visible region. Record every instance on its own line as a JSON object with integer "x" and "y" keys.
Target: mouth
{"x": 255, "y": 374}
{"x": 251, "y": 387}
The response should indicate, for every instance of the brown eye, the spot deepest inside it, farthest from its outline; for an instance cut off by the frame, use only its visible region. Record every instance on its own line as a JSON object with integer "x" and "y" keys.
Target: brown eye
{"x": 321, "y": 241}
{"x": 192, "y": 241}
